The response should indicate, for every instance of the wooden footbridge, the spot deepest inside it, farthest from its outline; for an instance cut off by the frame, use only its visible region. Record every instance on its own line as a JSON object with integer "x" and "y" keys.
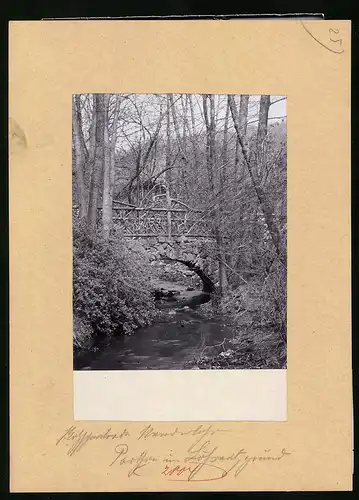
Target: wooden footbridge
{"x": 142, "y": 222}
{"x": 175, "y": 220}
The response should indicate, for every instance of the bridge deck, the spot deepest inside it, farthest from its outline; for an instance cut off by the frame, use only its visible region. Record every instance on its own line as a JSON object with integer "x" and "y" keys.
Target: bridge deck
{"x": 158, "y": 235}
{"x": 147, "y": 222}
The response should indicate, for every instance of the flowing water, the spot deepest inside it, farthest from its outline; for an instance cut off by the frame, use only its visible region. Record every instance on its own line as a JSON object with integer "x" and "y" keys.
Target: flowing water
{"x": 182, "y": 333}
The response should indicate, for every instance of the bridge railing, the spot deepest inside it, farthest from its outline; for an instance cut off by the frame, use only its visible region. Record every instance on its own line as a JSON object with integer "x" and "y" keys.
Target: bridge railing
{"x": 142, "y": 222}
{"x": 147, "y": 222}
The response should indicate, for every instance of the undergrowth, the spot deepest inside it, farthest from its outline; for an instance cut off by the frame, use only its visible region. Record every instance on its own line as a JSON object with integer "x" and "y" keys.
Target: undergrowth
{"x": 111, "y": 286}
{"x": 256, "y": 311}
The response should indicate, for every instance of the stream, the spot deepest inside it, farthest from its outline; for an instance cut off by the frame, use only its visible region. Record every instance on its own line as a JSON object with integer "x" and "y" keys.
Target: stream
{"x": 181, "y": 334}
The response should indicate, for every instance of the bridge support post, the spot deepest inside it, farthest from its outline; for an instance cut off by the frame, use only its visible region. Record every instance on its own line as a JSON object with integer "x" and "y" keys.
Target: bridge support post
{"x": 169, "y": 223}
{"x": 169, "y": 213}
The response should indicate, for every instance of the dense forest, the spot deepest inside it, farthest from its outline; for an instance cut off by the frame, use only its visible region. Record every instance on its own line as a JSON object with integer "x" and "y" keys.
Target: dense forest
{"x": 223, "y": 155}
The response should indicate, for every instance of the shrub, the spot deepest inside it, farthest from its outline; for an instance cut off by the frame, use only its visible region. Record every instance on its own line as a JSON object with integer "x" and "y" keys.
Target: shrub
{"x": 111, "y": 285}
{"x": 258, "y": 311}
{"x": 252, "y": 348}
{"x": 264, "y": 296}
{"x": 83, "y": 335}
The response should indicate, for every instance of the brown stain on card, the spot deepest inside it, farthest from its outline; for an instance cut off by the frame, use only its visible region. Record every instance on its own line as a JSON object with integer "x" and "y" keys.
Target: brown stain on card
{"x": 17, "y": 137}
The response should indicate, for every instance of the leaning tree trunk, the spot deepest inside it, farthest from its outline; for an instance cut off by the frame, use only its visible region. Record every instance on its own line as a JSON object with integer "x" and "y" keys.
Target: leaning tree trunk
{"x": 107, "y": 190}
{"x": 264, "y": 205}
{"x": 98, "y": 165}
{"x": 262, "y": 133}
{"x": 243, "y": 123}
{"x": 79, "y": 160}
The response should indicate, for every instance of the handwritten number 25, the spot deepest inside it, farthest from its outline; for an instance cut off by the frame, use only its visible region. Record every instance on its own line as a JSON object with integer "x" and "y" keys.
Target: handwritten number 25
{"x": 332, "y": 33}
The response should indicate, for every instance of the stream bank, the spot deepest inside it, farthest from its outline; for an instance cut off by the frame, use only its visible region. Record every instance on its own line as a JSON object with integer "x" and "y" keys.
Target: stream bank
{"x": 187, "y": 334}
{"x": 181, "y": 333}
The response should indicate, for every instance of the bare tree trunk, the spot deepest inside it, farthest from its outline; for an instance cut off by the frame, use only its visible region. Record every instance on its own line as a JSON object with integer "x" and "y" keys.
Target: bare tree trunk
{"x": 263, "y": 119}
{"x": 223, "y": 281}
{"x": 79, "y": 161}
{"x": 107, "y": 191}
{"x": 236, "y": 160}
{"x": 243, "y": 114}
{"x": 184, "y": 146}
{"x": 176, "y": 127}
{"x": 243, "y": 121}
{"x": 267, "y": 211}
{"x": 142, "y": 158}
{"x": 208, "y": 145}
{"x": 184, "y": 102}
{"x": 225, "y": 146}
{"x": 138, "y": 176}
{"x": 212, "y": 133}
{"x": 79, "y": 115}
{"x": 168, "y": 170}
{"x": 153, "y": 139}
{"x": 98, "y": 165}
{"x": 211, "y": 163}
{"x": 261, "y": 135}
{"x": 113, "y": 143}
{"x": 193, "y": 133}
{"x": 90, "y": 160}
{"x": 183, "y": 155}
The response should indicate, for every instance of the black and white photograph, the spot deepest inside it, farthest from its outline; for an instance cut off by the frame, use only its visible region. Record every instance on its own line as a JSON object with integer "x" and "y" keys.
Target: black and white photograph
{"x": 179, "y": 227}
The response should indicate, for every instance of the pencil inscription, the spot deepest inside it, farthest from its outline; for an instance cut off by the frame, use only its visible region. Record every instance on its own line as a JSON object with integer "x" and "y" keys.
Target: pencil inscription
{"x": 333, "y": 43}
{"x": 204, "y": 458}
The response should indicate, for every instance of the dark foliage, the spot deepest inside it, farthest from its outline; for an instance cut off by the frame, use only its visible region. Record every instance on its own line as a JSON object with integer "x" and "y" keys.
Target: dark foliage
{"x": 111, "y": 290}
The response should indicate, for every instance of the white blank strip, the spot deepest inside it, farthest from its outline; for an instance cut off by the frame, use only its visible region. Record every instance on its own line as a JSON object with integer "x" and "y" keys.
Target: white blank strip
{"x": 180, "y": 395}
